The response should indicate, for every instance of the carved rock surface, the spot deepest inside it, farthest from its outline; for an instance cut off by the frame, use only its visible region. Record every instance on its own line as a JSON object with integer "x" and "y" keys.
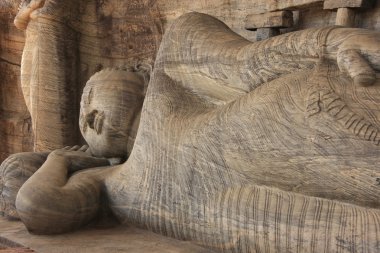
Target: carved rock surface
{"x": 67, "y": 42}
{"x": 335, "y": 4}
{"x": 118, "y": 32}
{"x": 14, "y": 171}
{"x": 15, "y": 123}
{"x": 232, "y": 158}
{"x": 280, "y": 19}
{"x": 270, "y": 146}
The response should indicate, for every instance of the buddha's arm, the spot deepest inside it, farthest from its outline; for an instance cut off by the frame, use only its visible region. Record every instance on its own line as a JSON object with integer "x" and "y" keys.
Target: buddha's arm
{"x": 198, "y": 46}
{"x": 50, "y": 202}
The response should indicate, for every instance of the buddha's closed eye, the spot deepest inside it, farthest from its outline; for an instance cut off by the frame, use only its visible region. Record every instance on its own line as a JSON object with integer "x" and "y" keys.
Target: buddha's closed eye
{"x": 95, "y": 120}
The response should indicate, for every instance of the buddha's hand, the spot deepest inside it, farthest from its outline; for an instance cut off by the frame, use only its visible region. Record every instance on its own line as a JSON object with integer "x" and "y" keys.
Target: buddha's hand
{"x": 77, "y": 158}
{"x": 357, "y": 53}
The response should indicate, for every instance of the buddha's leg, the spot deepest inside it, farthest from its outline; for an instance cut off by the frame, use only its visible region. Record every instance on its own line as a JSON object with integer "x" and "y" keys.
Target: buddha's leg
{"x": 263, "y": 219}
{"x": 14, "y": 171}
{"x": 50, "y": 202}
{"x": 256, "y": 219}
{"x": 202, "y": 53}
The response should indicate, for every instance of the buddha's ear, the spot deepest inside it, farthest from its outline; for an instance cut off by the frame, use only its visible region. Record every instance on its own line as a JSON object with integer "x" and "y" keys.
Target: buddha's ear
{"x": 144, "y": 70}
{"x": 144, "y": 67}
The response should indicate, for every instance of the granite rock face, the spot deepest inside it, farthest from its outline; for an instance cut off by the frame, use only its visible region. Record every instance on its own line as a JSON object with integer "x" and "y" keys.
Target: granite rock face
{"x": 15, "y": 122}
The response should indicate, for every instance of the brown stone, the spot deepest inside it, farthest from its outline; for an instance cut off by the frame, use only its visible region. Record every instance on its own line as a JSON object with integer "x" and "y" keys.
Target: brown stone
{"x": 296, "y": 4}
{"x": 135, "y": 36}
{"x": 240, "y": 145}
{"x": 263, "y": 6}
{"x": 266, "y": 33}
{"x": 278, "y": 19}
{"x": 73, "y": 51}
{"x": 345, "y": 17}
{"x": 15, "y": 126}
{"x": 335, "y": 4}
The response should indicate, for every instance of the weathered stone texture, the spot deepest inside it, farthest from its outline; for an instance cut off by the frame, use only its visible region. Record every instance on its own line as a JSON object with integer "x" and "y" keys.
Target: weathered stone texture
{"x": 266, "y": 33}
{"x": 335, "y": 4}
{"x": 280, "y": 19}
{"x": 69, "y": 42}
{"x": 237, "y": 138}
{"x": 118, "y": 32}
{"x": 370, "y": 19}
{"x": 15, "y": 123}
{"x": 345, "y": 17}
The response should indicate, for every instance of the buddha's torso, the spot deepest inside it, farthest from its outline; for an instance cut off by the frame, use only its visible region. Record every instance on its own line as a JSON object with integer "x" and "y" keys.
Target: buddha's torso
{"x": 185, "y": 156}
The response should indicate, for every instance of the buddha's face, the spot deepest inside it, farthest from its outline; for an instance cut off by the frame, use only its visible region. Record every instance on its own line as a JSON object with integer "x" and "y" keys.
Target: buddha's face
{"x": 109, "y": 115}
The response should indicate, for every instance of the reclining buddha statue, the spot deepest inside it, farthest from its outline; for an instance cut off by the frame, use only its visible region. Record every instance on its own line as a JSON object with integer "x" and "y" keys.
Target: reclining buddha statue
{"x": 239, "y": 146}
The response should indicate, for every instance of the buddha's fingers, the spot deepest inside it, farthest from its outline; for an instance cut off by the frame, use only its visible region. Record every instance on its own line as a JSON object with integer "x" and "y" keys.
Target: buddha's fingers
{"x": 84, "y": 148}
{"x": 75, "y": 148}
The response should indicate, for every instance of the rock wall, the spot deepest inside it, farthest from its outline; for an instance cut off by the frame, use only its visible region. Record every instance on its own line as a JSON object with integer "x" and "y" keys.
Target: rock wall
{"x": 15, "y": 124}
{"x": 117, "y": 32}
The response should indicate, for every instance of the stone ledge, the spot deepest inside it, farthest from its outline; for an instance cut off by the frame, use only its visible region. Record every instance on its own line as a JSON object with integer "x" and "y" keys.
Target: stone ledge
{"x": 278, "y": 19}
{"x": 335, "y": 4}
{"x": 263, "y": 6}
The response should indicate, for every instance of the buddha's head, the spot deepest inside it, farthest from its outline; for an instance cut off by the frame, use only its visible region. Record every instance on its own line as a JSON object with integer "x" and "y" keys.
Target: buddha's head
{"x": 110, "y": 111}
{"x": 51, "y": 10}
{"x": 27, "y": 9}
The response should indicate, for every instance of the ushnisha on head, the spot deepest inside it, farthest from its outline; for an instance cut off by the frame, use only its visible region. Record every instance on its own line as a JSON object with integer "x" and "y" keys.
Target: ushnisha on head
{"x": 110, "y": 110}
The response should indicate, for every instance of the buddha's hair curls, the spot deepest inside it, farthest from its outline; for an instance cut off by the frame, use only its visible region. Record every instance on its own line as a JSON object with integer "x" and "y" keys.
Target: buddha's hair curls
{"x": 119, "y": 73}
